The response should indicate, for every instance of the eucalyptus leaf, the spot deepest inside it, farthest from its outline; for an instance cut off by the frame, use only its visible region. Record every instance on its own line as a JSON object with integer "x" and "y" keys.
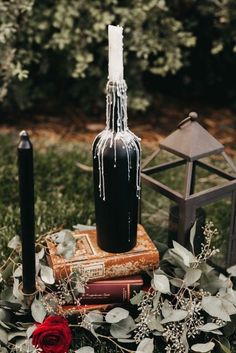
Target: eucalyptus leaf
{"x": 230, "y": 295}
{"x": 12, "y": 335}
{"x": 95, "y": 317}
{"x": 67, "y": 251}
{"x": 210, "y": 282}
{"x": 24, "y": 345}
{"x": 122, "y": 328}
{"x": 158, "y": 271}
{"x": 83, "y": 227}
{"x": 10, "y": 305}
{"x": 7, "y": 294}
{"x": 232, "y": 270}
{"x": 65, "y": 236}
{"x": 203, "y": 347}
{"x": 3, "y": 336}
{"x": 180, "y": 272}
{"x": 136, "y": 299}
{"x": 185, "y": 254}
{"x": 154, "y": 323}
{"x": 205, "y": 267}
{"x": 214, "y": 307}
{"x": 209, "y": 327}
{"x": 174, "y": 259}
{"x": 228, "y": 306}
{"x": 161, "y": 283}
{"x": 18, "y": 272}
{"x": 40, "y": 284}
{"x": 38, "y": 311}
{"x": 3, "y": 350}
{"x": 176, "y": 315}
{"x": 156, "y": 333}
{"x": 85, "y": 349}
{"x": 4, "y": 325}
{"x": 14, "y": 243}
{"x": 115, "y": 315}
{"x": 224, "y": 345}
{"x": 16, "y": 292}
{"x": 47, "y": 274}
{"x": 30, "y": 330}
{"x": 5, "y": 315}
{"x": 40, "y": 254}
{"x": 66, "y": 243}
{"x": 166, "y": 309}
{"x": 192, "y": 276}
{"x": 156, "y": 300}
{"x": 145, "y": 346}
{"x": 176, "y": 282}
{"x": 192, "y": 235}
{"x": 217, "y": 332}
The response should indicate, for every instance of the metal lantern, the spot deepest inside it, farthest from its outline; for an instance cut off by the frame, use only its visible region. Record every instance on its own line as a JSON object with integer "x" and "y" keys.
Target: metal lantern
{"x": 190, "y": 143}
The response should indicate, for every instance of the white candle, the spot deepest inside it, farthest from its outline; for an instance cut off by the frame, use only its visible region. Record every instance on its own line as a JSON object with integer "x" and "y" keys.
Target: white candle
{"x": 115, "y": 39}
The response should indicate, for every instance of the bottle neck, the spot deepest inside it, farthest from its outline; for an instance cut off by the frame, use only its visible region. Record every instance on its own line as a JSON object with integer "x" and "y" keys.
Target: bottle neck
{"x": 116, "y": 106}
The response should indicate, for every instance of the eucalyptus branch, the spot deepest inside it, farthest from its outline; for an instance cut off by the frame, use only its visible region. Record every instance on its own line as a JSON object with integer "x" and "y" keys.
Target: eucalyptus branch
{"x": 111, "y": 339}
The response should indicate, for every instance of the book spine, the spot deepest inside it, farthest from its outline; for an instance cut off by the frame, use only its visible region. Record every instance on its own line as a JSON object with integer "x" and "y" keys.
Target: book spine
{"x": 104, "y": 293}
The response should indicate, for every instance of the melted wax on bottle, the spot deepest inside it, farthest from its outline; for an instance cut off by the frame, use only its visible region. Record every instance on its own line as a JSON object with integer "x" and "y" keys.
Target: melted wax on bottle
{"x": 116, "y": 105}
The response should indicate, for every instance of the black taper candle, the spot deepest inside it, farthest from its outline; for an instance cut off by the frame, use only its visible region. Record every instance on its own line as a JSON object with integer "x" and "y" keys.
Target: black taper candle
{"x": 26, "y": 193}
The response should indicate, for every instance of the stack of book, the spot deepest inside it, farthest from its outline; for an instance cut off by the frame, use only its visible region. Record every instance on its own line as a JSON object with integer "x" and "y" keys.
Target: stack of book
{"x": 113, "y": 277}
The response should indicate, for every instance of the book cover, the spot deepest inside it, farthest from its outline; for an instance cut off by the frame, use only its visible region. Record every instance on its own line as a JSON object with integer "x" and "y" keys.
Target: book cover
{"x": 117, "y": 290}
{"x": 80, "y": 309}
{"x": 98, "y": 264}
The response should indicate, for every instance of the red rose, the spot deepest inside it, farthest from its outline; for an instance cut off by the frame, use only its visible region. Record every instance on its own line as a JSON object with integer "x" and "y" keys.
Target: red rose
{"x": 53, "y": 335}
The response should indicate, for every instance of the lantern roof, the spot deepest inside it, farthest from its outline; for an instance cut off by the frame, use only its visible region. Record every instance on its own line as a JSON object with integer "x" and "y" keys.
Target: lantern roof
{"x": 191, "y": 141}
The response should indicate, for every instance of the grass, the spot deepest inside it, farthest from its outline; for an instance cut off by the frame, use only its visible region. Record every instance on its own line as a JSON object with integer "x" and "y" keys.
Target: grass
{"x": 64, "y": 192}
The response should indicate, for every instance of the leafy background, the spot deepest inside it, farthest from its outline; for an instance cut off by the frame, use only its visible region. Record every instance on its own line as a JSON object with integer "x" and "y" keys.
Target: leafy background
{"x": 53, "y": 53}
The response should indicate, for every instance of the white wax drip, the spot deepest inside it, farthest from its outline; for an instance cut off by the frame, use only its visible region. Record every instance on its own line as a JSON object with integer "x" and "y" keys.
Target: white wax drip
{"x": 109, "y": 136}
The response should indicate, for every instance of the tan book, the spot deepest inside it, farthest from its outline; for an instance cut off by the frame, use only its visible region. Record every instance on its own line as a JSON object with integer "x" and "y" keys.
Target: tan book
{"x": 99, "y": 264}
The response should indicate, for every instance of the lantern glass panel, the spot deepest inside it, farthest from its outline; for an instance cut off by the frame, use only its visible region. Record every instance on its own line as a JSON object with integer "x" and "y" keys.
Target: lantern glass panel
{"x": 161, "y": 156}
{"x": 155, "y": 214}
{"x": 205, "y": 179}
{"x": 173, "y": 178}
{"x": 219, "y": 212}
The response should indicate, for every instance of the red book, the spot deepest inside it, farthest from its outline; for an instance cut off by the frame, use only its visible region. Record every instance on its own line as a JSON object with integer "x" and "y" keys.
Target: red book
{"x": 117, "y": 290}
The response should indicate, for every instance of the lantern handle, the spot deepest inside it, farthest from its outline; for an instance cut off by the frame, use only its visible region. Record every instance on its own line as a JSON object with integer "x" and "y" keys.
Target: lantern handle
{"x": 193, "y": 116}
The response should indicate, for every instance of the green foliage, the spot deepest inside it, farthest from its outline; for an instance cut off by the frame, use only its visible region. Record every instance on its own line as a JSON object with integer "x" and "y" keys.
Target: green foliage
{"x": 13, "y": 16}
{"x": 57, "y": 50}
{"x": 59, "y": 44}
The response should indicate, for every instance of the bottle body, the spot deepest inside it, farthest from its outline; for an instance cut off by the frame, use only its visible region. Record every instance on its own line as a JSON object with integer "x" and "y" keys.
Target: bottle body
{"x": 116, "y": 169}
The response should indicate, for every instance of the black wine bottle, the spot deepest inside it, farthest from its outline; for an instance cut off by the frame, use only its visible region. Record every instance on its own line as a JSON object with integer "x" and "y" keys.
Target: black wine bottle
{"x": 116, "y": 169}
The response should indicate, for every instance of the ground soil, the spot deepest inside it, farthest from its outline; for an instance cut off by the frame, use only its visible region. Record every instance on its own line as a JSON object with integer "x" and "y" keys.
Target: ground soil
{"x": 151, "y": 126}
